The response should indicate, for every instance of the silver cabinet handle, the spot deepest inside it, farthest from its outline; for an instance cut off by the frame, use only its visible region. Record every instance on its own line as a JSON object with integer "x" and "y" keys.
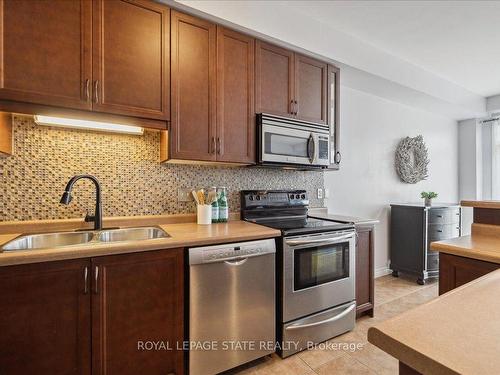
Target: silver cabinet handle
{"x": 218, "y": 145}
{"x": 291, "y": 108}
{"x": 296, "y": 108}
{"x": 214, "y": 147}
{"x": 329, "y": 320}
{"x": 87, "y": 89}
{"x": 235, "y": 262}
{"x": 96, "y": 279}
{"x": 325, "y": 241}
{"x": 96, "y": 91}
{"x": 85, "y": 278}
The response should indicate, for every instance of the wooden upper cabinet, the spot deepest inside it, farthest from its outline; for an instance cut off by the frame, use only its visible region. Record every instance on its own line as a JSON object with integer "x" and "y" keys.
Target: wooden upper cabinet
{"x": 193, "y": 65}
{"x": 311, "y": 89}
{"x": 138, "y": 297}
{"x": 235, "y": 97}
{"x": 45, "y": 319}
{"x": 45, "y": 52}
{"x": 274, "y": 79}
{"x": 131, "y": 57}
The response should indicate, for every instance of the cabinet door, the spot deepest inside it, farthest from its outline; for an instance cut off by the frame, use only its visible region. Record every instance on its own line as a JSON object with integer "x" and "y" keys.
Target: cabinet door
{"x": 364, "y": 270}
{"x": 274, "y": 80}
{"x": 138, "y": 299}
{"x": 193, "y": 62}
{"x": 45, "y": 52}
{"x": 45, "y": 319}
{"x": 333, "y": 115}
{"x": 130, "y": 62}
{"x": 455, "y": 271}
{"x": 310, "y": 89}
{"x": 235, "y": 97}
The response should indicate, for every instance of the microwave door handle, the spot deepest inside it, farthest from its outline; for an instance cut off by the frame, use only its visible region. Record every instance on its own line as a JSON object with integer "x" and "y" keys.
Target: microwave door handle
{"x": 329, "y": 320}
{"x": 322, "y": 241}
{"x": 311, "y": 148}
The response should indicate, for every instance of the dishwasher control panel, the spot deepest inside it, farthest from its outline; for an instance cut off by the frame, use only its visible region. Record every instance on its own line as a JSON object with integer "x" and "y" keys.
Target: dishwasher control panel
{"x": 218, "y": 253}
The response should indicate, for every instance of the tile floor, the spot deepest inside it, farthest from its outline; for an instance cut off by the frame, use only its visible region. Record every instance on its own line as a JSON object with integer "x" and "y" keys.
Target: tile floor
{"x": 392, "y": 296}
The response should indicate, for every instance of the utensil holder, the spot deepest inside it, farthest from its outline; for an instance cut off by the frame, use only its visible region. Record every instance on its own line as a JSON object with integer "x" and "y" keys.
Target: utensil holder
{"x": 204, "y": 214}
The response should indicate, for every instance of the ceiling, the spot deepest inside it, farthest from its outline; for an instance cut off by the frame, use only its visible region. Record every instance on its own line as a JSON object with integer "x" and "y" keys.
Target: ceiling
{"x": 457, "y": 40}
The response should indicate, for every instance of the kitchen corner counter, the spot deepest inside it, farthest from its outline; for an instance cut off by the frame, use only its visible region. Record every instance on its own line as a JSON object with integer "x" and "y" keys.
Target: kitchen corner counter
{"x": 457, "y": 333}
{"x": 182, "y": 235}
{"x": 481, "y": 204}
{"x": 483, "y": 244}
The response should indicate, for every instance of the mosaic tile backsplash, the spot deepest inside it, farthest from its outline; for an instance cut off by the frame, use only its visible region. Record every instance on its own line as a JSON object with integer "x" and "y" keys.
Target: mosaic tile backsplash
{"x": 132, "y": 179}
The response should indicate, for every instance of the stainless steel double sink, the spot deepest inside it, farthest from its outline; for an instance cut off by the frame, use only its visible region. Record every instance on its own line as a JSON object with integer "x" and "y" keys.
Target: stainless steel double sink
{"x": 64, "y": 239}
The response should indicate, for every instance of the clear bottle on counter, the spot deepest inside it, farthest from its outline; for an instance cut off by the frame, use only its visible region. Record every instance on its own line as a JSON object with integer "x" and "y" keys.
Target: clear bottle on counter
{"x": 215, "y": 204}
{"x": 223, "y": 205}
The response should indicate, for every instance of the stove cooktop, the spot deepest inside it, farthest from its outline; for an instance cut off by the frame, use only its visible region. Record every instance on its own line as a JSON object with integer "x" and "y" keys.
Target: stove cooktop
{"x": 300, "y": 226}
{"x": 285, "y": 210}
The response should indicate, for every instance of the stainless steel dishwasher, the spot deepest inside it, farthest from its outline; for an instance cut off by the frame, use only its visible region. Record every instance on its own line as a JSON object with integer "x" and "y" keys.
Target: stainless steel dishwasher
{"x": 231, "y": 305}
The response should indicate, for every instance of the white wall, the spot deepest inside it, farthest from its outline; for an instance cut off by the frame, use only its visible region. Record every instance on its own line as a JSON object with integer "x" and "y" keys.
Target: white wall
{"x": 367, "y": 182}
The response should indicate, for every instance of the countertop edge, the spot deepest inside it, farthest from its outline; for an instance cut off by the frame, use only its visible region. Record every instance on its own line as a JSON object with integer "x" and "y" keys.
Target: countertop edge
{"x": 447, "y": 247}
{"x": 406, "y": 354}
{"x": 86, "y": 251}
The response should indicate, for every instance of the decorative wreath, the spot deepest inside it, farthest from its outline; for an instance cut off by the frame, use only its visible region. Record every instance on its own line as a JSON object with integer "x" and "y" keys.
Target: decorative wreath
{"x": 412, "y": 160}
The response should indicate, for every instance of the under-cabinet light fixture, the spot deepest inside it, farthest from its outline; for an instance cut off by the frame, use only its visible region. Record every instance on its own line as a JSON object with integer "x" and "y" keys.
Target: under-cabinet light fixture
{"x": 90, "y": 125}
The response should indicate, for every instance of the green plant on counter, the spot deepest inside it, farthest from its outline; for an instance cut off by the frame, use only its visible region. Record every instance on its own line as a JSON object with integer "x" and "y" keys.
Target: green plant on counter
{"x": 428, "y": 194}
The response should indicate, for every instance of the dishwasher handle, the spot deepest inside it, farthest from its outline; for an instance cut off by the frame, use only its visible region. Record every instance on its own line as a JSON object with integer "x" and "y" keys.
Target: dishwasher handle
{"x": 236, "y": 262}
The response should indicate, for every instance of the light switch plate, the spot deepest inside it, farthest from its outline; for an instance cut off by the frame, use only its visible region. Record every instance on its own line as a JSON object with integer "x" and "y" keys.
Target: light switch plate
{"x": 184, "y": 195}
{"x": 327, "y": 193}
{"x": 320, "y": 193}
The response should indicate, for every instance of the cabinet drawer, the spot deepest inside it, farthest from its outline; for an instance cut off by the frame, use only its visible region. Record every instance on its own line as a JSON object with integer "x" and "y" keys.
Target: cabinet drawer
{"x": 432, "y": 261}
{"x": 438, "y": 232}
{"x": 444, "y": 215}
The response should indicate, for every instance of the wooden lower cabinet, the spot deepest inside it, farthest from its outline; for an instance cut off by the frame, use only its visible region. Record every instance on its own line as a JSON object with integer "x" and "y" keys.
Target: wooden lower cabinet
{"x": 455, "y": 271}
{"x": 365, "y": 297}
{"x": 94, "y": 316}
{"x": 45, "y": 319}
{"x": 138, "y": 298}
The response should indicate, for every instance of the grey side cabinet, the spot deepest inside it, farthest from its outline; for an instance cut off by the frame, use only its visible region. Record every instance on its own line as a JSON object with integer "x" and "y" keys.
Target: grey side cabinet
{"x": 413, "y": 228}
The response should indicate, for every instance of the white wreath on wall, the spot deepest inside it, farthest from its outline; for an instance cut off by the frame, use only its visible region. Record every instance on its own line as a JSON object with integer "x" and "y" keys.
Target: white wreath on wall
{"x": 412, "y": 160}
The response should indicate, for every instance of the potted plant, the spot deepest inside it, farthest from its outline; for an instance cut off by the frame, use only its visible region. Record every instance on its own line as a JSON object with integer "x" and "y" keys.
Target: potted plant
{"x": 428, "y": 196}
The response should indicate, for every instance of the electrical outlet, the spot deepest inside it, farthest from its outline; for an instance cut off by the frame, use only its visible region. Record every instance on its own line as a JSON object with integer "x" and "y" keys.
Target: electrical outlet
{"x": 184, "y": 195}
{"x": 320, "y": 193}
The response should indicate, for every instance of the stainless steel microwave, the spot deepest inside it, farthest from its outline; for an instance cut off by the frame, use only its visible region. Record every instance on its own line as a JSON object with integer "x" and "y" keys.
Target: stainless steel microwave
{"x": 284, "y": 142}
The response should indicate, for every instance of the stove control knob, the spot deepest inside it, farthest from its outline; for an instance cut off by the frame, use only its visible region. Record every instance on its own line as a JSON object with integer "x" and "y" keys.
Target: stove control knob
{"x": 257, "y": 197}
{"x": 303, "y": 196}
{"x": 250, "y": 197}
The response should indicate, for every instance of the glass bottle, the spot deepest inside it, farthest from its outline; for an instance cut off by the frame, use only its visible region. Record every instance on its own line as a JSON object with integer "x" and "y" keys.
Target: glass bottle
{"x": 215, "y": 204}
{"x": 223, "y": 205}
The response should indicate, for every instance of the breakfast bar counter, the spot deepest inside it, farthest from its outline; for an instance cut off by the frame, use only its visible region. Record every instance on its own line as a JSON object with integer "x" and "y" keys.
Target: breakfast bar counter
{"x": 457, "y": 333}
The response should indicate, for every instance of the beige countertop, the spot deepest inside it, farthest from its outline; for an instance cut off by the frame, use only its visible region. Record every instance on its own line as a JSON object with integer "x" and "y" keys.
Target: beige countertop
{"x": 482, "y": 244}
{"x": 182, "y": 235}
{"x": 456, "y": 333}
{"x": 481, "y": 204}
{"x": 322, "y": 213}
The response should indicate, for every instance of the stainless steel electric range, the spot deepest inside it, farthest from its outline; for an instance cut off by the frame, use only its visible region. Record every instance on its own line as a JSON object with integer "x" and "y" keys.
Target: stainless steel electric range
{"x": 314, "y": 269}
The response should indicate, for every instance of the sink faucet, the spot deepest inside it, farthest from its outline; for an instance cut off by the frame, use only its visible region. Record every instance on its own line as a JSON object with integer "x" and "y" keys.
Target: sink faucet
{"x": 66, "y": 199}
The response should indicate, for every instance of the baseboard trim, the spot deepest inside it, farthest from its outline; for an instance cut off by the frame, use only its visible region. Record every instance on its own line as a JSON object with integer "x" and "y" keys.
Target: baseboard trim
{"x": 379, "y": 272}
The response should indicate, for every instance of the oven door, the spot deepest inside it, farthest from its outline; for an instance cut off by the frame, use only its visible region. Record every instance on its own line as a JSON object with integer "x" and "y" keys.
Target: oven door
{"x": 318, "y": 272}
{"x": 288, "y": 145}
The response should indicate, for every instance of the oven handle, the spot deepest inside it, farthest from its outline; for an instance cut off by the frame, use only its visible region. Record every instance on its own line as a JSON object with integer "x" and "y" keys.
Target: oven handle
{"x": 319, "y": 240}
{"x": 329, "y": 320}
